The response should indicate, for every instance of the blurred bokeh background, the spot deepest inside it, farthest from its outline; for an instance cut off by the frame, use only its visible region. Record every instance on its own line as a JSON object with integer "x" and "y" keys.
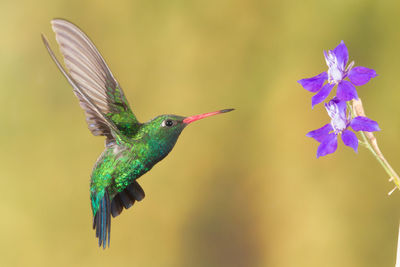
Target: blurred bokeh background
{"x": 241, "y": 189}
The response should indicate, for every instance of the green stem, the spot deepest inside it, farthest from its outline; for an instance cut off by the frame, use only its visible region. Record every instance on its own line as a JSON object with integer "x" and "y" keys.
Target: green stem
{"x": 372, "y": 146}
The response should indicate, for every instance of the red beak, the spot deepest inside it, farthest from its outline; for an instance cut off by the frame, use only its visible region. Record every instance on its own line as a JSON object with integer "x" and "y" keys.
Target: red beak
{"x": 205, "y": 115}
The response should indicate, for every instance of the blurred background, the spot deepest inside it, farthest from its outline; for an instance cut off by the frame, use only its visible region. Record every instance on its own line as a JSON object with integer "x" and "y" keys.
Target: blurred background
{"x": 240, "y": 189}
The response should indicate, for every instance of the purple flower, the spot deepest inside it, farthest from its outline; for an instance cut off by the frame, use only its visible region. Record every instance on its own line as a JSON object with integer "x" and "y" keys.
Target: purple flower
{"x": 336, "y": 60}
{"x": 340, "y": 123}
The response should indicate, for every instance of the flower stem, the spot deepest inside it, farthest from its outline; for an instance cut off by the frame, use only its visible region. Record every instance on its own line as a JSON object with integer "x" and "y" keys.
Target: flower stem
{"x": 369, "y": 141}
{"x": 398, "y": 251}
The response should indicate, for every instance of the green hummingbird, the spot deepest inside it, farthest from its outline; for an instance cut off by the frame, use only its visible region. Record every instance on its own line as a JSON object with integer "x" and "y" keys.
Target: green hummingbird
{"x": 131, "y": 148}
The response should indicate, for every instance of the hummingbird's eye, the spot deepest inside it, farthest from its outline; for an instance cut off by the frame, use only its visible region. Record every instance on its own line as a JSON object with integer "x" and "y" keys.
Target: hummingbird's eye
{"x": 168, "y": 123}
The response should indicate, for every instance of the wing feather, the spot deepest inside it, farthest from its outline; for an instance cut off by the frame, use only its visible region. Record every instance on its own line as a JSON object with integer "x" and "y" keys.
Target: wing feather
{"x": 90, "y": 73}
{"x": 99, "y": 123}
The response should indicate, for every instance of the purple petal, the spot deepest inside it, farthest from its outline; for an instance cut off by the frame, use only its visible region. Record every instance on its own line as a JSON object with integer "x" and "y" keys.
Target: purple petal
{"x": 322, "y": 94}
{"x": 342, "y": 55}
{"x": 337, "y": 111}
{"x": 350, "y": 139}
{"x": 364, "y": 124}
{"x": 327, "y": 146}
{"x": 320, "y": 134}
{"x": 315, "y": 83}
{"x": 346, "y": 91}
{"x": 361, "y": 75}
{"x": 341, "y": 106}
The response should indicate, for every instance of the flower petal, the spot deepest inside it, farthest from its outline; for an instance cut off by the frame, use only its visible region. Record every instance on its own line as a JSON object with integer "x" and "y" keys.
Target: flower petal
{"x": 364, "y": 124}
{"x": 336, "y": 109}
{"x": 342, "y": 55}
{"x": 346, "y": 91}
{"x": 361, "y": 75}
{"x": 320, "y": 134}
{"x": 342, "y": 107}
{"x": 315, "y": 83}
{"x": 350, "y": 139}
{"x": 327, "y": 146}
{"x": 336, "y": 105}
{"x": 322, "y": 94}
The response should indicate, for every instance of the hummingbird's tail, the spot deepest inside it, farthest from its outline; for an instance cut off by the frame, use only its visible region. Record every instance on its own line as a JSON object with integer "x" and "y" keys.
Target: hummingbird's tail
{"x": 107, "y": 207}
{"x": 126, "y": 198}
{"x": 102, "y": 221}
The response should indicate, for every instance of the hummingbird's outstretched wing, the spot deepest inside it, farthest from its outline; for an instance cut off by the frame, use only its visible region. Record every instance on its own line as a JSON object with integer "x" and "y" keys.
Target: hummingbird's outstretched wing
{"x": 96, "y": 88}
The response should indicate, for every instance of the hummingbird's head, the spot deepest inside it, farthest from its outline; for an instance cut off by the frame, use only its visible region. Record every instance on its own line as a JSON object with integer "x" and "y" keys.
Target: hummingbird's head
{"x": 165, "y": 128}
{"x": 163, "y": 131}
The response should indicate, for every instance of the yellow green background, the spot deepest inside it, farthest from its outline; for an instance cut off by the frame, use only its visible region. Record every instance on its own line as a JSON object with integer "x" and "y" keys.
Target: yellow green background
{"x": 239, "y": 189}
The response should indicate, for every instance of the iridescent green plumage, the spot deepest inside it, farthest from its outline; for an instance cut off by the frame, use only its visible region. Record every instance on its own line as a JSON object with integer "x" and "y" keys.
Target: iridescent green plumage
{"x": 122, "y": 163}
{"x": 132, "y": 148}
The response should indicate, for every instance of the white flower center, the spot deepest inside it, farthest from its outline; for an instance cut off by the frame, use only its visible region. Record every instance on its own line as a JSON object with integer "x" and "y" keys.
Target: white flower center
{"x": 338, "y": 121}
{"x": 335, "y": 72}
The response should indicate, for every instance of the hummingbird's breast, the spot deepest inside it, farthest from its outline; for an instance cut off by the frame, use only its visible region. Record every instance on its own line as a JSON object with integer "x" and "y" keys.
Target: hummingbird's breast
{"x": 158, "y": 150}
{"x": 121, "y": 164}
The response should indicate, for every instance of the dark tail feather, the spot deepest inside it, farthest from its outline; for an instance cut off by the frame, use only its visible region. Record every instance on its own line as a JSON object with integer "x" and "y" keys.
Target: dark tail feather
{"x": 102, "y": 221}
{"x": 126, "y": 198}
{"x": 136, "y": 191}
{"x": 116, "y": 206}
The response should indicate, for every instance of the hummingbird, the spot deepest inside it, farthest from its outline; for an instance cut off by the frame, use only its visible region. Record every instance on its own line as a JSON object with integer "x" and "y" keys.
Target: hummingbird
{"x": 132, "y": 148}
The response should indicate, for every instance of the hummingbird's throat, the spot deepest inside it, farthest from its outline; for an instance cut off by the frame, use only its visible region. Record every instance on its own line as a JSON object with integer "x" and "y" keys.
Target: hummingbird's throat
{"x": 205, "y": 115}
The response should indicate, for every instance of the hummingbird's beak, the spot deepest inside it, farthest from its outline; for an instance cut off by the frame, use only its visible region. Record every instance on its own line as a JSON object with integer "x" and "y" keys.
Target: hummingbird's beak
{"x": 205, "y": 115}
